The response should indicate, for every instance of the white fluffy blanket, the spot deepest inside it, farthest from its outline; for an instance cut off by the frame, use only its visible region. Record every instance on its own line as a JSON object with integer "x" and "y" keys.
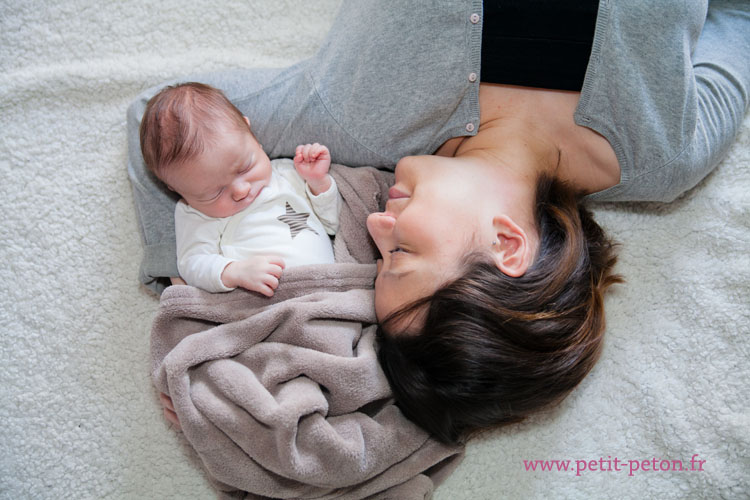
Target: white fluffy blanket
{"x": 80, "y": 418}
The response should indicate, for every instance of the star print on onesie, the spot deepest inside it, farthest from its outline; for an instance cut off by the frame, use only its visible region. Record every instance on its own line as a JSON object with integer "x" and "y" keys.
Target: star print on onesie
{"x": 297, "y": 221}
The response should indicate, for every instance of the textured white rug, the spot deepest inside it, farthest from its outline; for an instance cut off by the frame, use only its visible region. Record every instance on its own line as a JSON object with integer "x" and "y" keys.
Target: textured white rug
{"x": 79, "y": 416}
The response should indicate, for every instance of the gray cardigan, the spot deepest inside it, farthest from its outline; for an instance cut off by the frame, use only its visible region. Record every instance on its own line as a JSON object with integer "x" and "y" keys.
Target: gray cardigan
{"x": 667, "y": 85}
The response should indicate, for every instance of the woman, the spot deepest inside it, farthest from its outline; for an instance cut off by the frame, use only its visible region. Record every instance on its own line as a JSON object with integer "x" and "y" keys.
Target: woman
{"x": 495, "y": 145}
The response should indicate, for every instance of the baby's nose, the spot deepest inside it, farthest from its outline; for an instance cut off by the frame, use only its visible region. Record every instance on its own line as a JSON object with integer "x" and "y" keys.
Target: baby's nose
{"x": 240, "y": 191}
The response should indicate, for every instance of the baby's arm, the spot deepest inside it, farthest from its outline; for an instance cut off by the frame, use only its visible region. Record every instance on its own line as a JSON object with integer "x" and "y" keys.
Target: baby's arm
{"x": 199, "y": 260}
{"x": 312, "y": 162}
{"x": 201, "y": 264}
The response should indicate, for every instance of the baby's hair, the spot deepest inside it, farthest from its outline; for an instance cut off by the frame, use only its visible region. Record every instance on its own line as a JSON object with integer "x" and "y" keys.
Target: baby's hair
{"x": 181, "y": 120}
{"x": 494, "y": 349}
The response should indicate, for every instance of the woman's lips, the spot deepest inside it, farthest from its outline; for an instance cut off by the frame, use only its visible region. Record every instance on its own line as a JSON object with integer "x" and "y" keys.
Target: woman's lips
{"x": 394, "y": 193}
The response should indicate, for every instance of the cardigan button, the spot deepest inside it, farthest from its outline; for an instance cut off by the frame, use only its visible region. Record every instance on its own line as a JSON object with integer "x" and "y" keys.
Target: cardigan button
{"x": 472, "y": 77}
{"x": 474, "y": 18}
{"x": 470, "y": 127}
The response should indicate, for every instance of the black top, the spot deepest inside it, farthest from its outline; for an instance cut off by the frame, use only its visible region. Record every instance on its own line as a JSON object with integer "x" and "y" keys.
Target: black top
{"x": 537, "y": 43}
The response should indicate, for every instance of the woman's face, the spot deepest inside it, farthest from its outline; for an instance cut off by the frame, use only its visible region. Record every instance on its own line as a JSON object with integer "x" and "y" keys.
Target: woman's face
{"x": 432, "y": 220}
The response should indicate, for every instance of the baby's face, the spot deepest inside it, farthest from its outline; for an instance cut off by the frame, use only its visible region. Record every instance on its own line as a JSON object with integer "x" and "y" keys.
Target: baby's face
{"x": 226, "y": 178}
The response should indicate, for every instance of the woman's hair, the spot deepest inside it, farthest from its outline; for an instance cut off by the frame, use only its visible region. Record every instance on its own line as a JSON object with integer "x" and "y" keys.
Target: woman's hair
{"x": 494, "y": 349}
{"x": 181, "y": 120}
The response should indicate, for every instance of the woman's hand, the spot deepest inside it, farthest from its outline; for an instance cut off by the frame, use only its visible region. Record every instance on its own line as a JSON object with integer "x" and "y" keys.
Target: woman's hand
{"x": 169, "y": 412}
{"x": 312, "y": 162}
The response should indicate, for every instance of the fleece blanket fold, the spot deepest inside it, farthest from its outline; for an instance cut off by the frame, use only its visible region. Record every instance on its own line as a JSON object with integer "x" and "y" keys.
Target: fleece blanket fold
{"x": 283, "y": 397}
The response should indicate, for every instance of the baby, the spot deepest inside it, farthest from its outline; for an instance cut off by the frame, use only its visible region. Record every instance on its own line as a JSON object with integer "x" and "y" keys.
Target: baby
{"x": 242, "y": 218}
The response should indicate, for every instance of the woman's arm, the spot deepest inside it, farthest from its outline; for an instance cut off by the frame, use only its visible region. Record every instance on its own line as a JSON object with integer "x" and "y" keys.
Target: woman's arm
{"x": 721, "y": 61}
{"x": 667, "y": 86}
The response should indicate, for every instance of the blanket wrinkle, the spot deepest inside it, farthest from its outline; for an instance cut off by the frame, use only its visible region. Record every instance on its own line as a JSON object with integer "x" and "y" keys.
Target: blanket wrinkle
{"x": 283, "y": 397}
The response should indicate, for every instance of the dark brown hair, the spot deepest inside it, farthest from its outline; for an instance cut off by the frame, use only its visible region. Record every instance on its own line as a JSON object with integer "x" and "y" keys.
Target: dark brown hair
{"x": 494, "y": 349}
{"x": 181, "y": 120}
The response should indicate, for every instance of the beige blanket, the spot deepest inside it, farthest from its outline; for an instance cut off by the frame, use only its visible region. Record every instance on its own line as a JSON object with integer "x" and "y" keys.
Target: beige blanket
{"x": 284, "y": 397}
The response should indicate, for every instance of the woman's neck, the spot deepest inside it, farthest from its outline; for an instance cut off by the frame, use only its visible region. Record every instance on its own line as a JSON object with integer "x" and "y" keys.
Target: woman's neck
{"x": 515, "y": 146}
{"x": 534, "y": 129}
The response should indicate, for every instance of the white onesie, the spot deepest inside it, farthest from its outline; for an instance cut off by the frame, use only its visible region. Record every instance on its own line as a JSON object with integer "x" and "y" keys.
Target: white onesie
{"x": 285, "y": 220}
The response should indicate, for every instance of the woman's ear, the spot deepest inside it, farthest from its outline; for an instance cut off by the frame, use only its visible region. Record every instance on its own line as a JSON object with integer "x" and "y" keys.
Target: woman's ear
{"x": 510, "y": 249}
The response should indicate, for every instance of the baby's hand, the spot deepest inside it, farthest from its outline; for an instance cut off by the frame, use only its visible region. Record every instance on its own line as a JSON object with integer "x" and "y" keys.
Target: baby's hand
{"x": 312, "y": 162}
{"x": 259, "y": 274}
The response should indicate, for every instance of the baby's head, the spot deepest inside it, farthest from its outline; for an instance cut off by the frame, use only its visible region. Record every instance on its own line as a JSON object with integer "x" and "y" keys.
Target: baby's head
{"x": 200, "y": 145}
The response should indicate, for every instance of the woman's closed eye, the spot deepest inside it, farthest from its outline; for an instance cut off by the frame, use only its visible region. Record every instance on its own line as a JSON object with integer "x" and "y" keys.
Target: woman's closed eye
{"x": 399, "y": 254}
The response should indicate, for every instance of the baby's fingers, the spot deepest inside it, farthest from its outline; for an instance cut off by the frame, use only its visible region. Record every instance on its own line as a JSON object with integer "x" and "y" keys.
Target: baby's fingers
{"x": 166, "y": 401}
{"x": 299, "y": 155}
{"x": 168, "y": 409}
{"x": 318, "y": 150}
{"x": 271, "y": 281}
{"x": 306, "y": 149}
{"x": 264, "y": 289}
{"x": 275, "y": 266}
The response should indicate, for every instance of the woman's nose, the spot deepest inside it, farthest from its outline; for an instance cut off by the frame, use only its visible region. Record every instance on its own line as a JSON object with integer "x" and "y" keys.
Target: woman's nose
{"x": 380, "y": 225}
